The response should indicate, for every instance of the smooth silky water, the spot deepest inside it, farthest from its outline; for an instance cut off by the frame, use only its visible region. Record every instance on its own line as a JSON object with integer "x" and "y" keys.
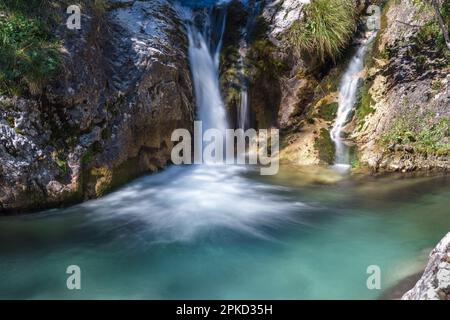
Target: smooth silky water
{"x": 200, "y": 232}
{"x": 225, "y": 232}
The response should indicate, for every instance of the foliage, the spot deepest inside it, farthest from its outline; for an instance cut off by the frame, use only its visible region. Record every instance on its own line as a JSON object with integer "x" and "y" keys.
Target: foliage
{"x": 326, "y": 29}
{"x": 431, "y": 32}
{"x": 61, "y": 162}
{"x": 28, "y": 51}
{"x": 425, "y": 137}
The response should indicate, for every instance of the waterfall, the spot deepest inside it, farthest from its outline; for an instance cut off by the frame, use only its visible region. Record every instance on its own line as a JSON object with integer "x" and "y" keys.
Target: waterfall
{"x": 204, "y": 53}
{"x": 348, "y": 89}
{"x": 254, "y": 7}
{"x": 243, "y": 108}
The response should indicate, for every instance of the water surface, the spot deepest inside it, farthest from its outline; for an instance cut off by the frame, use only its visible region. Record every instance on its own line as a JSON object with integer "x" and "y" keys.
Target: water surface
{"x": 225, "y": 232}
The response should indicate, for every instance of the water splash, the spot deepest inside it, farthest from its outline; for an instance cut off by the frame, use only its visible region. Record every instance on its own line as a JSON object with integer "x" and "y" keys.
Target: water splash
{"x": 182, "y": 204}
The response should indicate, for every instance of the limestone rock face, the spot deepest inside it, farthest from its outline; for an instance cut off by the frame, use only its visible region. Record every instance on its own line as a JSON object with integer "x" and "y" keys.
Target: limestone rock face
{"x": 281, "y": 14}
{"x": 435, "y": 281}
{"x": 408, "y": 91}
{"x": 125, "y": 86}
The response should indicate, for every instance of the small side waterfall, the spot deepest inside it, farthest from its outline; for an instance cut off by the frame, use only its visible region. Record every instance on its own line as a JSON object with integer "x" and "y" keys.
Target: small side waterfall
{"x": 254, "y": 8}
{"x": 243, "y": 108}
{"x": 348, "y": 89}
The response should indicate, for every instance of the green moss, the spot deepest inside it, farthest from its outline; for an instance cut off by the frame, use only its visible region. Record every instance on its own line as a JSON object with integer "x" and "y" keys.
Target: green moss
{"x": 61, "y": 162}
{"x": 437, "y": 86}
{"x": 18, "y": 131}
{"x": 6, "y": 105}
{"x": 328, "y": 112}
{"x": 262, "y": 59}
{"x": 260, "y": 28}
{"x": 356, "y": 164}
{"x": 11, "y": 121}
{"x": 325, "y": 146}
{"x": 421, "y": 63}
{"x": 365, "y": 103}
{"x": 88, "y": 156}
{"x": 104, "y": 180}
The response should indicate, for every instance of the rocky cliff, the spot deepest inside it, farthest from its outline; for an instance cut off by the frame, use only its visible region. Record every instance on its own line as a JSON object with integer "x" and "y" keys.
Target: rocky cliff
{"x": 403, "y": 119}
{"x": 123, "y": 87}
{"x": 300, "y": 89}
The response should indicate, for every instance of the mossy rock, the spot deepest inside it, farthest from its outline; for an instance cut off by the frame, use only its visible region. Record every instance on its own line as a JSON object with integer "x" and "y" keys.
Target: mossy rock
{"x": 104, "y": 180}
{"x": 328, "y": 111}
{"x": 365, "y": 102}
{"x": 325, "y": 147}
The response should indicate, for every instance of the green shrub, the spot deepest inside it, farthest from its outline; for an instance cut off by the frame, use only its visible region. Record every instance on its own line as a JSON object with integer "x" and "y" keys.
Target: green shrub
{"x": 431, "y": 33}
{"x": 28, "y": 52}
{"x": 423, "y": 137}
{"x": 327, "y": 28}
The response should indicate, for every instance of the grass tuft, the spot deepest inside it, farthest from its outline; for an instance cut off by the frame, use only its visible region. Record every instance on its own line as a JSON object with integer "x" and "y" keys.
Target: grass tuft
{"x": 28, "y": 51}
{"x": 327, "y": 28}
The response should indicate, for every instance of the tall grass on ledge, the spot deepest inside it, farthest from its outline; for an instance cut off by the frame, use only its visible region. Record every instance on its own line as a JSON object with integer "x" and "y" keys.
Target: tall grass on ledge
{"x": 325, "y": 29}
{"x": 28, "y": 52}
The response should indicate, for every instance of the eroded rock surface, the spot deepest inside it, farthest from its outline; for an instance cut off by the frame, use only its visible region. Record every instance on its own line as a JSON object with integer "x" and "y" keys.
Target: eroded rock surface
{"x": 124, "y": 88}
{"x": 435, "y": 281}
{"x": 407, "y": 97}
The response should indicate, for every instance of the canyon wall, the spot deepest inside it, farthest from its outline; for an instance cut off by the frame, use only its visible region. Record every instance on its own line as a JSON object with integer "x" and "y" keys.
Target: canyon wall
{"x": 107, "y": 117}
{"x": 401, "y": 119}
{"x": 402, "y": 122}
{"x": 124, "y": 86}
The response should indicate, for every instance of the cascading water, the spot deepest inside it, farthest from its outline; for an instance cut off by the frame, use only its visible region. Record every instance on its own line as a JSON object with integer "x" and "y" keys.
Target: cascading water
{"x": 204, "y": 60}
{"x": 211, "y": 232}
{"x": 243, "y": 115}
{"x": 348, "y": 89}
{"x": 243, "y": 108}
